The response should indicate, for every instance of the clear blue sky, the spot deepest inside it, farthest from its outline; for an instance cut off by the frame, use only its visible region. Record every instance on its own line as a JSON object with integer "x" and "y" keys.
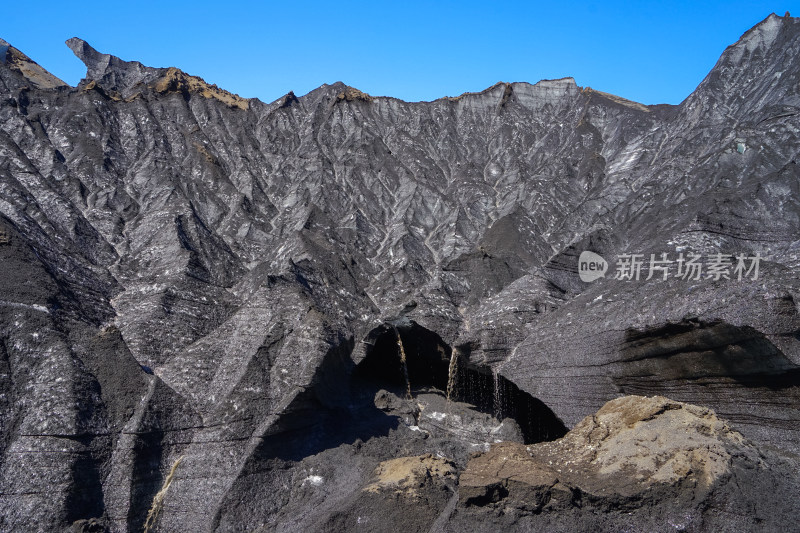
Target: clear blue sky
{"x": 651, "y": 52}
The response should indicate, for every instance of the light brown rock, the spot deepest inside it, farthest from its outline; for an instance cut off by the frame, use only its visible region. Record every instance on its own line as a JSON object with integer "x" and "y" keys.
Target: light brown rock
{"x": 407, "y": 474}
{"x": 631, "y": 445}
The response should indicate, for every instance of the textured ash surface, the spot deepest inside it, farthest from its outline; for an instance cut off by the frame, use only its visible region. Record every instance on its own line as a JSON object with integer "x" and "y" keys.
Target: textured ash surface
{"x": 190, "y": 274}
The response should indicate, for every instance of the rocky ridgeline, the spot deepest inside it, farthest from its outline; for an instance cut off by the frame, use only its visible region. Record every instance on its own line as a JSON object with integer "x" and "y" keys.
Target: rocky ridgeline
{"x": 203, "y": 295}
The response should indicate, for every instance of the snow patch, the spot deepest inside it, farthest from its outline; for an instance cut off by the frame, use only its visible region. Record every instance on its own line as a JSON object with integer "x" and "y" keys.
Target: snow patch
{"x": 314, "y": 480}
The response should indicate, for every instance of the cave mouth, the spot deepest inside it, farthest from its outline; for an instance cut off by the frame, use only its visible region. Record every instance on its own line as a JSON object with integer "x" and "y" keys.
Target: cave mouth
{"x": 427, "y": 360}
{"x": 428, "y": 367}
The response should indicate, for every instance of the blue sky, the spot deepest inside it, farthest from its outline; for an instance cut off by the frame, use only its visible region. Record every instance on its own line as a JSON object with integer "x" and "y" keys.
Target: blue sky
{"x": 651, "y": 52}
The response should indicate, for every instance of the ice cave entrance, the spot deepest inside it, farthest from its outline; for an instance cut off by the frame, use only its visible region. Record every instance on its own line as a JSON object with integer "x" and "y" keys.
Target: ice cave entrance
{"x": 427, "y": 368}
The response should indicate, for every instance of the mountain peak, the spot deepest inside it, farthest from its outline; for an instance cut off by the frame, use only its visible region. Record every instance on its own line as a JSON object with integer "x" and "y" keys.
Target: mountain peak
{"x": 24, "y": 66}
{"x": 764, "y": 34}
{"x": 96, "y": 63}
{"x": 110, "y": 72}
{"x": 760, "y": 66}
{"x": 128, "y": 78}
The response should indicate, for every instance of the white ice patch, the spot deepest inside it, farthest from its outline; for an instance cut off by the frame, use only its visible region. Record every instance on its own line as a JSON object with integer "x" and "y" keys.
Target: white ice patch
{"x": 35, "y": 307}
{"x": 314, "y": 480}
{"x": 626, "y": 160}
{"x": 437, "y": 416}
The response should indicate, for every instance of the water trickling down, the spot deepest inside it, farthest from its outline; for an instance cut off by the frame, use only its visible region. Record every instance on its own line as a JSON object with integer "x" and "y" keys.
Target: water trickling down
{"x": 392, "y": 362}
{"x": 403, "y": 364}
{"x": 497, "y": 402}
{"x": 452, "y": 374}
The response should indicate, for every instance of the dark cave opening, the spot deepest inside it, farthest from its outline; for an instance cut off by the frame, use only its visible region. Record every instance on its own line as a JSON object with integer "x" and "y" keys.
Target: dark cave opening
{"x": 493, "y": 393}
{"x": 427, "y": 360}
{"x": 323, "y": 416}
{"x": 429, "y": 368}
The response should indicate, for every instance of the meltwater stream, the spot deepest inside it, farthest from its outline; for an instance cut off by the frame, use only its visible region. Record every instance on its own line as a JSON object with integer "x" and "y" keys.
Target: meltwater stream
{"x": 403, "y": 363}
{"x": 452, "y": 374}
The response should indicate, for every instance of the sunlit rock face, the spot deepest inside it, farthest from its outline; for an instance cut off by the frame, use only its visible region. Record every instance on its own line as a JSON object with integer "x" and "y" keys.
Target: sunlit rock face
{"x": 190, "y": 274}
{"x": 635, "y": 464}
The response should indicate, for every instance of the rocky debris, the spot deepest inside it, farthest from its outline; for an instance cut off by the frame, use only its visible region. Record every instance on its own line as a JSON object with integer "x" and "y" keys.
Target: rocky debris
{"x": 407, "y": 491}
{"x": 508, "y": 473}
{"x": 406, "y": 409}
{"x": 650, "y": 441}
{"x": 463, "y": 422}
{"x": 636, "y": 455}
{"x": 435, "y": 416}
{"x": 189, "y": 276}
{"x": 91, "y": 525}
{"x": 407, "y": 475}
